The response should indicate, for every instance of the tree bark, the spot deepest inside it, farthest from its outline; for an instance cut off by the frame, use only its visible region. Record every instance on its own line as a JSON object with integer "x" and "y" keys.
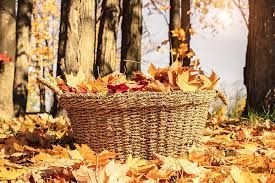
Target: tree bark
{"x": 175, "y": 22}
{"x": 186, "y": 25}
{"x": 77, "y": 37}
{"x": 259, "y": 71}
{"x": 131, "y": 40}
{"x": 23, "y": 48}
{"x": 106, "y": 61}
{"x": 7, "y": 43}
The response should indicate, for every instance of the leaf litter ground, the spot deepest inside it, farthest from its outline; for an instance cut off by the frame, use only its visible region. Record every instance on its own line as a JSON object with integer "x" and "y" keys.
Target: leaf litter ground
{"x": 39, "y": 148}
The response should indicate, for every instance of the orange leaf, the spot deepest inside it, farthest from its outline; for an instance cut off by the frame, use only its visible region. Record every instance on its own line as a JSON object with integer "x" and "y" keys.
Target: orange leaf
{"x": 152, "y": 70}
{"x": 5, "y": 58}
{"x": 207, "y": 84}
{"x": 86, "y": 153}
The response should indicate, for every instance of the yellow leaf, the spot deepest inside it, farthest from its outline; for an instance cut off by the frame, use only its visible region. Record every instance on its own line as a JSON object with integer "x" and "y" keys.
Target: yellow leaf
{"x": 73, "y": 80}
{"x": 86, "y": 153}
{"x": 179, "y": 33}
{"x": 152, "y": 70}
{"x": 240, "y": 176}
{"x": 11, "y": 174}
{"x": 175, "y": 66}
{"x": 183, "y": 82}
{"x": 182, "y": 50}
{"x": 207, "y": 84}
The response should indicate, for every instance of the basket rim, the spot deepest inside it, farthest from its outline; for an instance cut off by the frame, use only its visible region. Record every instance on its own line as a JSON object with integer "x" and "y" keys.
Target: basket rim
{"x": 136, "y": 93}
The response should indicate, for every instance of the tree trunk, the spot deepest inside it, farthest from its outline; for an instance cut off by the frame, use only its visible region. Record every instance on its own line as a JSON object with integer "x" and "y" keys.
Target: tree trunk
{"x": 7, "y": 43}
{"x": 106, "y": 60}
{"x": 175, "y": 22}
{"x": 259, "y": 71}
{"x": 186, "y": 25}
{"x": 131, "y": 40}
{"x": 77, "y": 37}
{"x": 23, "y": 48}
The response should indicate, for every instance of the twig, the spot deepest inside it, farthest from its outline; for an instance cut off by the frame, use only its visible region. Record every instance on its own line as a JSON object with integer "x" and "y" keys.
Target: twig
{"x": 238, "y": 5}
{"x": 160, "y": 12}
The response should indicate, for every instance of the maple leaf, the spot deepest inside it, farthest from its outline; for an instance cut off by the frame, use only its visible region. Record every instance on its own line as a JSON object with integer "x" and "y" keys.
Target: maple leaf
{"x": 97, "y": 86}
{"x": 118, "y": 88}
{"x": 182, "y": 50}
{"x": 179, "y": 33}
{"x": 74, "y": 81}
{"x": 184, "y": 84}
{"x": 86, "y": 153}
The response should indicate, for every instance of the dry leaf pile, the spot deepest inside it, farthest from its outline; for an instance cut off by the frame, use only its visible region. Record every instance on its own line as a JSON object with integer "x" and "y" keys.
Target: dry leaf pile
{"x": 33, "y": 149}
{"x": 175, "y": 77}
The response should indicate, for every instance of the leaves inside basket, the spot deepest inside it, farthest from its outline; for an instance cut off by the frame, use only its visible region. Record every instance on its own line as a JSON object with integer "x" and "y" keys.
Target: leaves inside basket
{"x": 167, "y": 79}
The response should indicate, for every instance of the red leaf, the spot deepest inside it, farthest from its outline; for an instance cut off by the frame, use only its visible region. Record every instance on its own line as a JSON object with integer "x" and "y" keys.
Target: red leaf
{"x": 5, "y": 58}
{"x": 118, "y": 88}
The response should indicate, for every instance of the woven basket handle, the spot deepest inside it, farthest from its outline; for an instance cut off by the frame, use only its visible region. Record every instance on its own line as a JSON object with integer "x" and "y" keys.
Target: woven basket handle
{"x": 50, "y": 85}
{"x": 222, "y": 97}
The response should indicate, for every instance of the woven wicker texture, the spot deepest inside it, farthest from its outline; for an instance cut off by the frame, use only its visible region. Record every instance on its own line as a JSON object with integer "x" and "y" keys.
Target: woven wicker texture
{"x": 138, "y": 123}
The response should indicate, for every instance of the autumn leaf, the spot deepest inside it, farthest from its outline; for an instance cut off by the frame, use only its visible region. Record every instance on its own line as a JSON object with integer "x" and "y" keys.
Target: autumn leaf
{"x": 182, "y": 50}
{"x": 118, "y": 88}
{"x": 240, "y": 176}
{"x": 179, "y": 33}
{"x": 11, "y": 173}
{"x": 183, "y": 82}
{"x": 97, "y": 86}
{"x": 157, "y": 86}
{"x": 117, "y": 172}
{"x": 5, "y": 58}
{"x": 175, "y": 66}
{"x": 173, "y": 164}
{"x": 152, "y": 70}
{"x": 207, "y": 84}
{"x": 214, "y": 79}
{"x": 88, "y": 175}
{"x": 86, "y": 153}
{"x": 73, "y": 80}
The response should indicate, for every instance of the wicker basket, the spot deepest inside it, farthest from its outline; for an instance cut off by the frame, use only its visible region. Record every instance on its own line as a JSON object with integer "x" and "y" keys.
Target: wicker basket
{"x": 137, "y": 123}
